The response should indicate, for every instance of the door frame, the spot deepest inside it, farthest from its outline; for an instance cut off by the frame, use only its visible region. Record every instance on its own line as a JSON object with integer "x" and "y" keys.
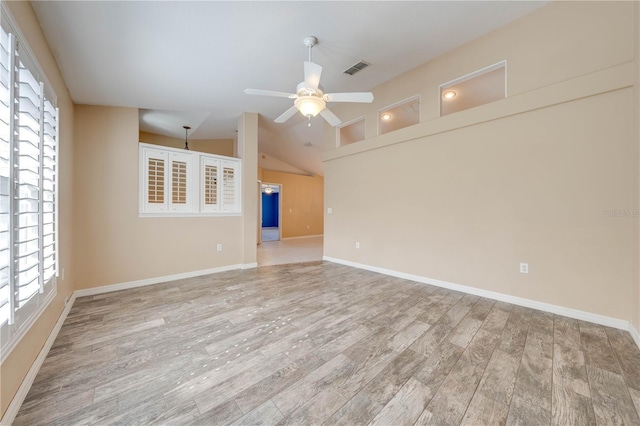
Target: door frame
{"x": 280, "y": 221}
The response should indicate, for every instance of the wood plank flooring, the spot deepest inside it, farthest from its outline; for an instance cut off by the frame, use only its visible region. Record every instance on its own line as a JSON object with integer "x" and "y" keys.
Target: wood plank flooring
{"x": 324, "y": 343}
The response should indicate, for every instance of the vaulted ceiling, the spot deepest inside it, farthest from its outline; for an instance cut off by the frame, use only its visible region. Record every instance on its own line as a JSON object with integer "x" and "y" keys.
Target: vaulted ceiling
{"x": 186, "y": 62}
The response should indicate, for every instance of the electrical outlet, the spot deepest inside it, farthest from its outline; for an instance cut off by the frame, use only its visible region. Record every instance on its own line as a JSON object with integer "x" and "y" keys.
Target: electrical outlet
{"x": 329, "y": 210}
{"x": 219, "y": 247}
{"x": 524, "y": 268}
{"x": 62, "y": 274}
{"x": 357, "y": 244}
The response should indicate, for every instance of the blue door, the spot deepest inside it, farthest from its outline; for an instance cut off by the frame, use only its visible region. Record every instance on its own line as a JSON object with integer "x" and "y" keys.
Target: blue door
{"x": 270, "y": 210}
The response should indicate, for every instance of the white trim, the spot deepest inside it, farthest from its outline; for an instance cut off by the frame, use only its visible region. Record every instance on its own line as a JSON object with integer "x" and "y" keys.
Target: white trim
{"x": 151, "y": 281}
{"x": 26, "y": 326}
{"x": 184, "y": 151}
{"x": 634, "y": 334}
{"x": 175, "y": 214}
{"x": 546, "y": 307}
{"x": 23, "y": 390}
{"x": 250, "y": 265}
{"x": 303, "y": 236}
{"x": 476, "y": 73}
{"x": 469, "y": 76}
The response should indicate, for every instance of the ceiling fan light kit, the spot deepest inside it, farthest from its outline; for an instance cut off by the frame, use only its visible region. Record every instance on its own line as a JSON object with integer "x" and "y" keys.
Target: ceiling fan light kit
{"x": 309, "y": 98}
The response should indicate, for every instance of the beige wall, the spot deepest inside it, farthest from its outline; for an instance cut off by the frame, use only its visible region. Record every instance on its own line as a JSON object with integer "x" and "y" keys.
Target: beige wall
{"x": 113, "y": 244}
{"x": 17, "y": 364}
{"x": 636, "y": 296}
{"x": 248, "y": 150}
{"x": 210, "y": 146}
{"x": 467, "y": 197}
{"x": 302, "y": 202}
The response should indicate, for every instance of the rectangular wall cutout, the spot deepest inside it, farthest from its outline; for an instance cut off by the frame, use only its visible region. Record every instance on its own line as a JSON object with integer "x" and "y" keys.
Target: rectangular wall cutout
{"x": 399, "y": 115}
{"x": 350, "y": 132}
{"x": 478, "y": 88}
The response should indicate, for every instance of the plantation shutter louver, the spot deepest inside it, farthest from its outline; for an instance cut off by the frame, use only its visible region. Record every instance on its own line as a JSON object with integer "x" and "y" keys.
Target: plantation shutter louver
{"x": 210, "y": 192}
{"x": 5, "y": 168}
{"x": 181, "y": 170}
{"x": 230, "y": 186}
{"x": 27, "y": 180}
{"x": 156, "y": 180}
{"x": 28, "y": 187}
{"x": 179, "y": 182}
{"x": 49, "y": 202}
{"x": 211, "y": 185}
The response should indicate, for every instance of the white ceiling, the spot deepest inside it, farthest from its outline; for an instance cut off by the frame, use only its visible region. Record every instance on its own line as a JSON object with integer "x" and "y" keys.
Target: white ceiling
{"x": 194, "y": 59}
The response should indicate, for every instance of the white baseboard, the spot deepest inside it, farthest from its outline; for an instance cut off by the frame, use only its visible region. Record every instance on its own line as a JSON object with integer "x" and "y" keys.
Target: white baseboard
{"x": 23, "y": 390}
{"x": 157, "y": 280}
{"x": 250, "y": 265}
{"x": 541, "y": 306}
{"x": 303, "y": 236}
{"x": 634, "y": 334}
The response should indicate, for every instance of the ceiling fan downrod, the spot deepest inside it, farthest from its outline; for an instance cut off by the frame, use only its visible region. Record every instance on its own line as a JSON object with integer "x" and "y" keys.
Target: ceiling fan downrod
{"x": 310, "y": 42}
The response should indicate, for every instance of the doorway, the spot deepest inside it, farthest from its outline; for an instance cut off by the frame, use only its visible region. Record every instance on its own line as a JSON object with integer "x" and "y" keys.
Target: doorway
{"x": 271, "y": 221}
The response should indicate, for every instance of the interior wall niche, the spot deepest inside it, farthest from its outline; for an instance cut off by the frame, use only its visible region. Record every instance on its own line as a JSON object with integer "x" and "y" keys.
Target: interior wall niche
{"x": 350, "y": 132}
{"x": 399, "y": 115}
{"x": 475, "y": 89}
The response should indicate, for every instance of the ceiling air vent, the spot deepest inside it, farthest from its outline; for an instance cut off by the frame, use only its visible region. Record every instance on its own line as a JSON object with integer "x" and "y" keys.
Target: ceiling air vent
{"x": 357, "y": 67}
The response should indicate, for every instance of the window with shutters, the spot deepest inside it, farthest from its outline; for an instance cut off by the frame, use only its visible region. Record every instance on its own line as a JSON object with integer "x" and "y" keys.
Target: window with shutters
{"x": 171, "y": 179}
{"x": 28, "y": 188}
{"x": 210, "y": 194}
{"x": 156, "y": 180}
{"x": 230, "y": 185}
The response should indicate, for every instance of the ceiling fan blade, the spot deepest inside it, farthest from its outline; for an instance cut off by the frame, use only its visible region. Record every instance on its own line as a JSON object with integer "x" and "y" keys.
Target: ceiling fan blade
{"x": 364, "y": 97}
{"x": 286, "y": 115}
{"x": 312, "y": 73}
{"x": 330, "y": 117}
{"x": 261, "y": 92}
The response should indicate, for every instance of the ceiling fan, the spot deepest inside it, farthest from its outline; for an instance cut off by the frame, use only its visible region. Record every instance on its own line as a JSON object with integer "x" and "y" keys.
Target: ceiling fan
{"x": 309, "y": 98}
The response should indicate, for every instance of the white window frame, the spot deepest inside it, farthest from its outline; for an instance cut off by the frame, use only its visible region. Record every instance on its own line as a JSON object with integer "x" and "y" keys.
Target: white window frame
{"x": 196, "y": 163}
{"x": 22, "y": 318}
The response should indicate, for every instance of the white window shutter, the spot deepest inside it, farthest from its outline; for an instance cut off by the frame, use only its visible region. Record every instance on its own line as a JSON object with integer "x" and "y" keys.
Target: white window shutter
{"x": 210, "y": 188}
{"x": 231, "y": 186}
{"x": 6, "y": 296}
{"x": 176, "y": 182}
{"x": 28, "y": 188}
{"x": 154, "y": 190}
{"x": 28, "y": 214}
{"x": 181, "y": 181}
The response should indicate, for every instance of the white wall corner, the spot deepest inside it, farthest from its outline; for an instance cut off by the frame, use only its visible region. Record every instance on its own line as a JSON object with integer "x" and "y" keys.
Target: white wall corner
{"x": 23, "y": 390}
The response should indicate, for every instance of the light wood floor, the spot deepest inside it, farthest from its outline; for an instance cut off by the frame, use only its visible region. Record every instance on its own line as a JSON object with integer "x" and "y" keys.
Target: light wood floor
{"x": 325, "y": 343}
{"x": 294, "y": 250}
